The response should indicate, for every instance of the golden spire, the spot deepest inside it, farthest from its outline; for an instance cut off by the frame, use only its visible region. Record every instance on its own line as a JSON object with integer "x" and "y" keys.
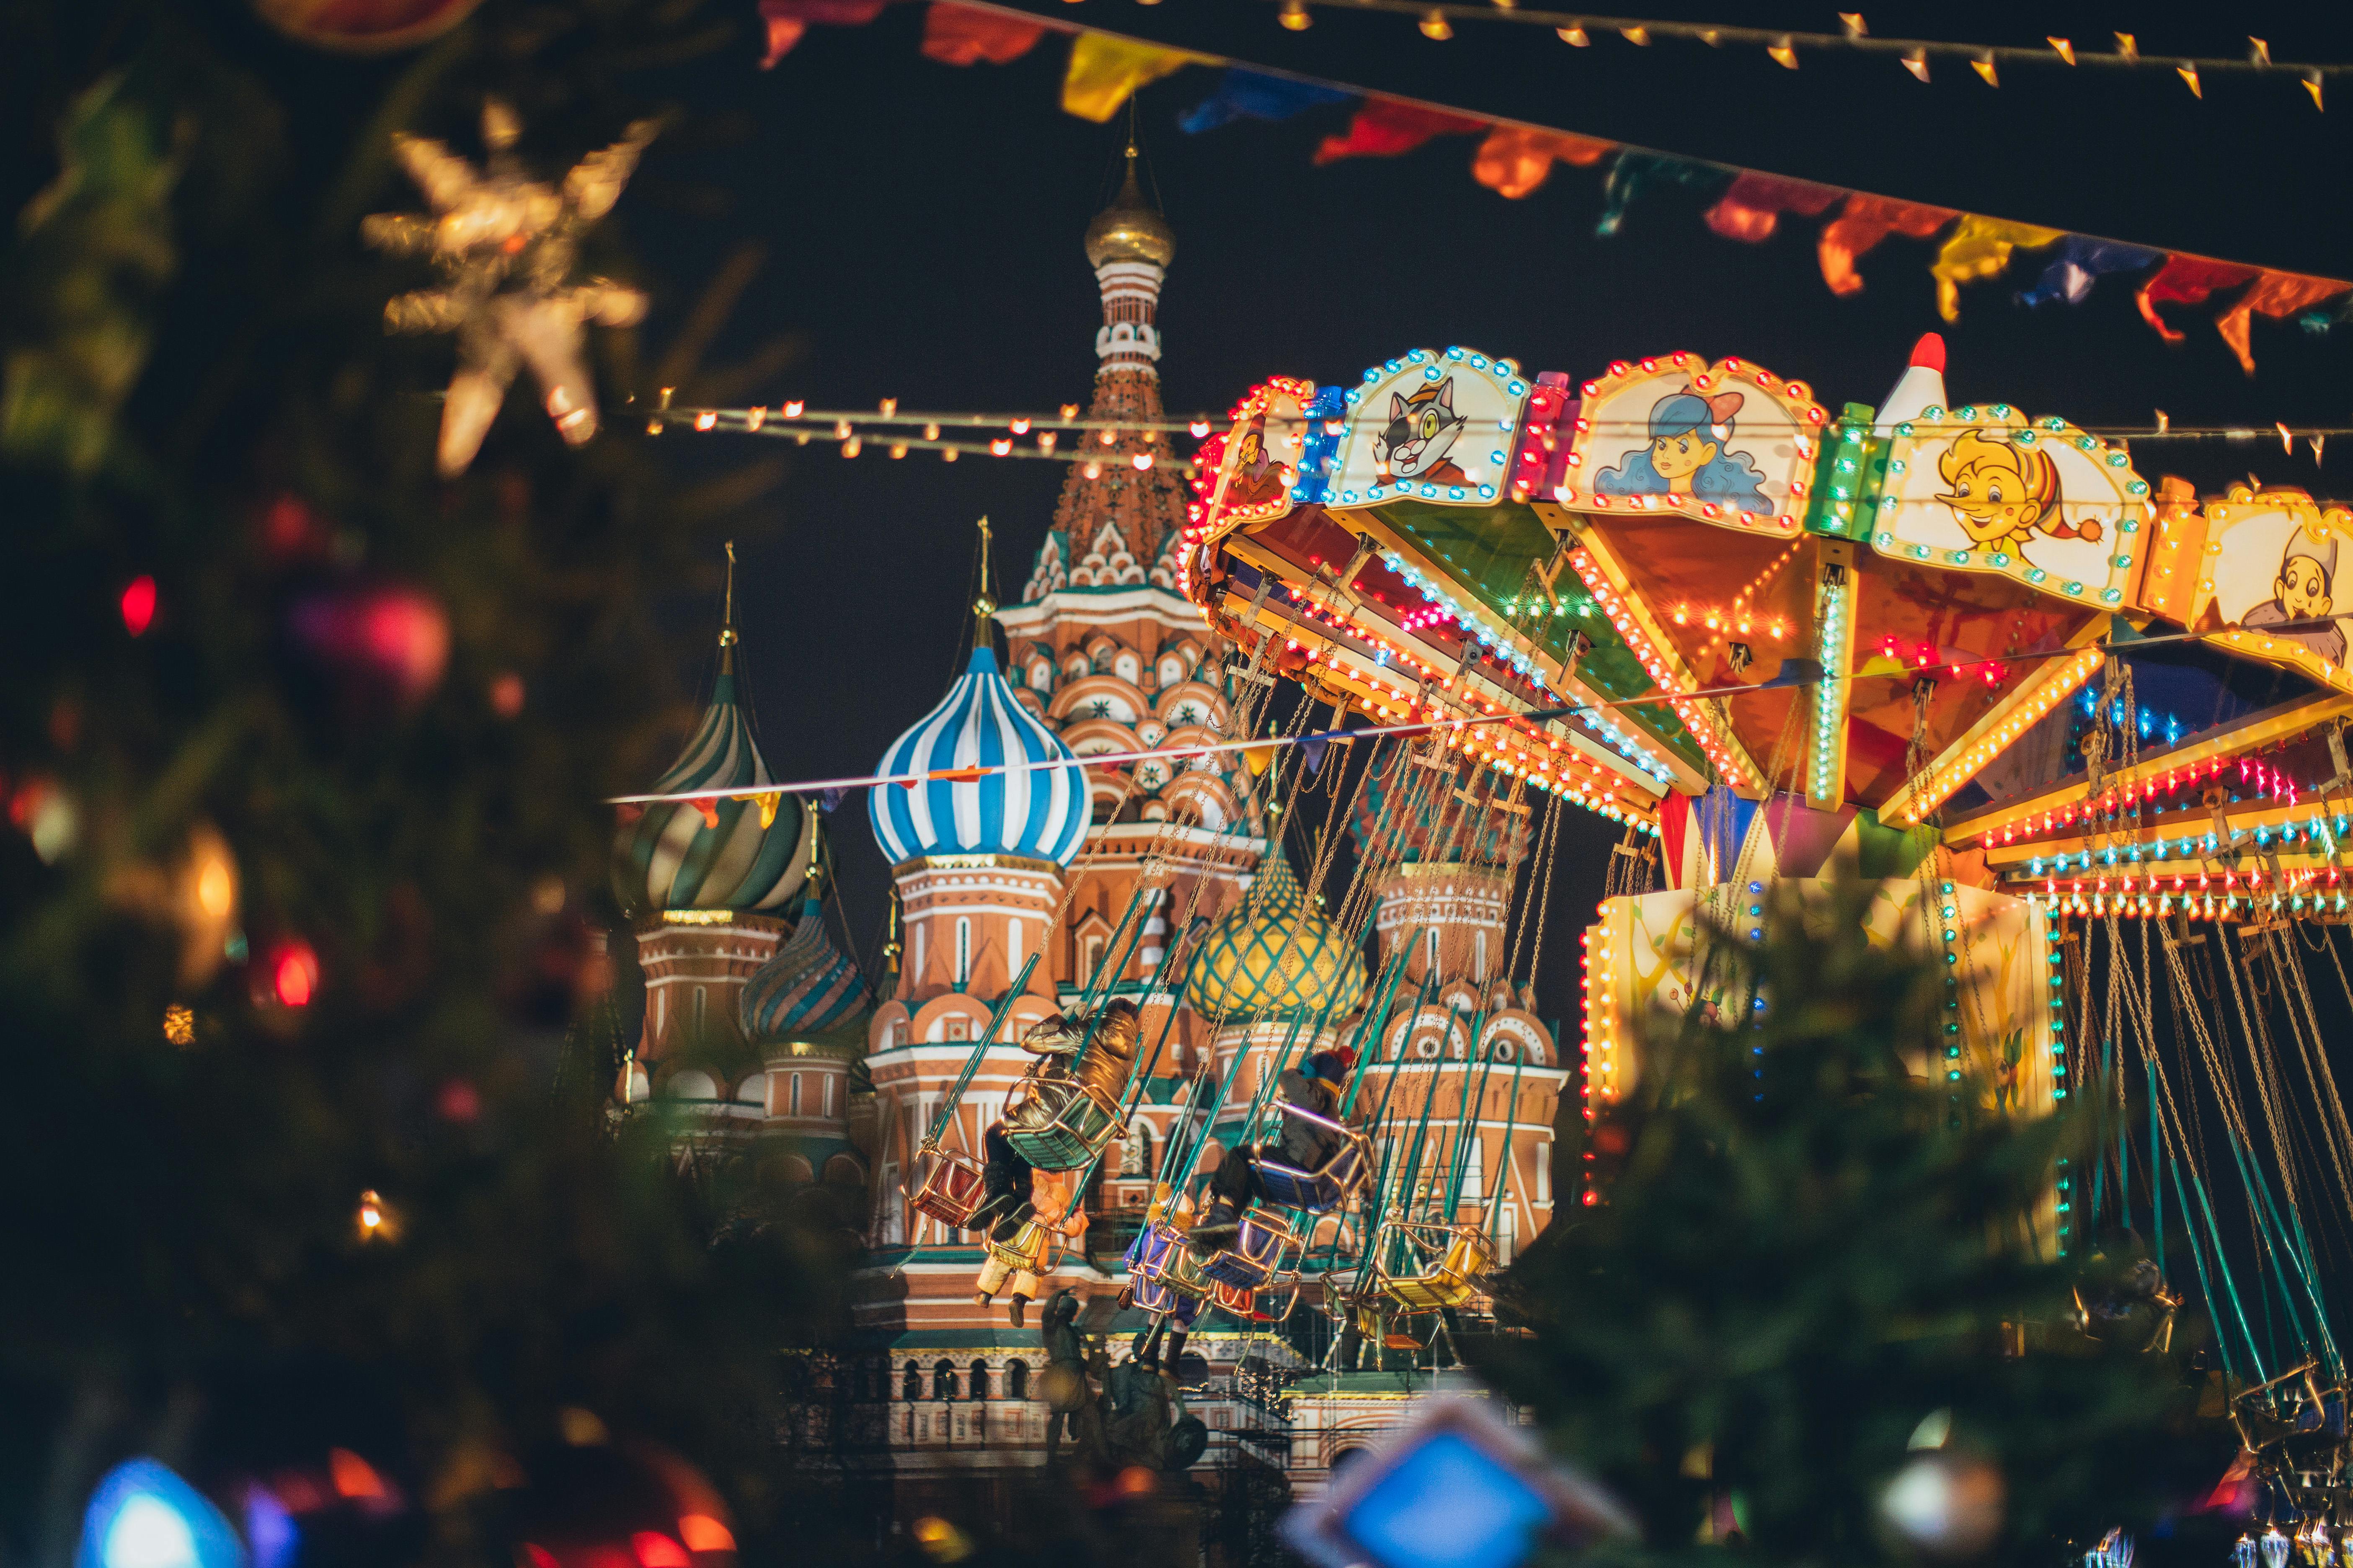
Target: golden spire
{"x": 984, "y": 604}
{"x": 727, "y": 614}
{"x": 1131, "y": 228}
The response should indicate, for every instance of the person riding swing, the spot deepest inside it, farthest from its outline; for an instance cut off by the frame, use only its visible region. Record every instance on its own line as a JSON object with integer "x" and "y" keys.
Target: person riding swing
{"x": 1315, "y": 1086}
{"x": 1065, "y": 1054}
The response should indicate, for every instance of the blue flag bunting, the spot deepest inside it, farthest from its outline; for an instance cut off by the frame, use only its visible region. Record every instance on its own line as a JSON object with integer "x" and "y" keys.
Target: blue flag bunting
{"x": 2078, "y": 263}
{"x": 1247, "y": 95}
{"x": 1634, "y": 174}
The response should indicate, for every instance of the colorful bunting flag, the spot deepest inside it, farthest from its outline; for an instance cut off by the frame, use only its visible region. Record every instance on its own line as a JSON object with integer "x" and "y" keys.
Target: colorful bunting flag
{"x": 1634, "y": 174}
{"x": 1248, "y": 95}
{"x": 2277, "y": 295}
{"x": 1516, "y": 159}
{"x": 1752, "y": 208}
{"x": 960, "y": 36}
{"x": 1385, "y": 128}
{"x": 1860, "y": 224}
{"x": 788, "y": 20}
{"x": 1105, "y": 72}
{"x": 1979, "y": 248}
{"x": 2079, "y": 262}
{"x": 2187, "y": 280}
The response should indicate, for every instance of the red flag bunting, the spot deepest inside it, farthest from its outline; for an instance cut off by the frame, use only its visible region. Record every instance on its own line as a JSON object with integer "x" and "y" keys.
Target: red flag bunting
{"x": 788, "y": 20}
{"x": 1384, "y": 128}
{"x": 1514, "y": 159}
{"x": 1752, "y": 208}
{"x": 960, "y": 36}
{"x": 2185, "y": 279}
{"x": 2275, "y": 294}
{"x": 1859, "y": 227}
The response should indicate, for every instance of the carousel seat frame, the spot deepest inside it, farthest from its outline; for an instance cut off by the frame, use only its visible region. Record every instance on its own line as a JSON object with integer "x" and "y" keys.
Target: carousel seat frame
{"x": 1449, "y": 1263}
{"x": 1255, "y": 1259}
{"x": 952, "y": 1190}
{"x": 1163, "y": 1273}
{"x": 1080, "y": 1122}
{"x": 1343, "y": 1174}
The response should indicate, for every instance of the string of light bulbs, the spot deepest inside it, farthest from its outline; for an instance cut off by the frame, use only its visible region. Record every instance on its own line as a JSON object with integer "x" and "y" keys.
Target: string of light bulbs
{"x": 1578, "y": 30}
{"x": 794, "y": 420}
{"x": 1796, "y": 674}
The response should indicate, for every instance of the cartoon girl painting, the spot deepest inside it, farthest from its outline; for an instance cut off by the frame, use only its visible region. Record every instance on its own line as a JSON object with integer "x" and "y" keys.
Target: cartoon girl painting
{"x": 1257, "y": 477}
{"x": 2003, "y": 494}
{"x": 1689, "y": 455}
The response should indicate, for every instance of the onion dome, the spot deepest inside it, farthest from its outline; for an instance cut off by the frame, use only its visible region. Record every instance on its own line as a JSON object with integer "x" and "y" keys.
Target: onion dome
{"x": 810, "y": 985}
{"x": 1037, "y": 813}
{"x": 1131, "y": 228}
{"x": 1273, "y": 956}
{"x": 741, "y": 855}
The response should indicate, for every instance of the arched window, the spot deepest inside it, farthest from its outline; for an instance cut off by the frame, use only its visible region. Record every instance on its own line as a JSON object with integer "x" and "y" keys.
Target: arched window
{"x": 796, "y": 1094}
{"x": 923, "y": 946}
{"x": 1013, "y": 953}
{"x": 964, "y": 949}
{"x": 1017, "y": 1380}
{"x": 980, "y": 1380}
{"x": 1433, "y": 949}
{"x": 1544, "y": 1173}
{"x": 1479, "y": 956}
{"x": 1507, "y": 1234}
{"x": 1136, "y": 1154}
{"x": 1090, "y": 957}
{"x": 911, "y": 1383}
{"x": 1474, "y": 1175}
{"x": 943, "y": 1381}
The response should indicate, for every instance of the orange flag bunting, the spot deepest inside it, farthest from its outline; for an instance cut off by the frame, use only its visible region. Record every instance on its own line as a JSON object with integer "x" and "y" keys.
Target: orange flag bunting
{"x": 2187, "y": 280}
{"x": 1516, "y": 159}
{"x": 1859, "y": 227}
{"x": 1752, "y": 208}
{"x": 1384, "y": 128}
{"x": 1979, "y": 248}
{"x": 2274, "y": 294}
{"x": 960, "y": 36}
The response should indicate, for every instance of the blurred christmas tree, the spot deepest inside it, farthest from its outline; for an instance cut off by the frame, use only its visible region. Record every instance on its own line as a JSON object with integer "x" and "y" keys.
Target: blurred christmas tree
{"x": 1811, "y": 1280}
{"x": 301, "y": 743}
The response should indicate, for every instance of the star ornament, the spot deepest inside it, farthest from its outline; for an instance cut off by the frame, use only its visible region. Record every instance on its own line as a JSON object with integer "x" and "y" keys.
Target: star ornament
{"x": 506, "y": 245}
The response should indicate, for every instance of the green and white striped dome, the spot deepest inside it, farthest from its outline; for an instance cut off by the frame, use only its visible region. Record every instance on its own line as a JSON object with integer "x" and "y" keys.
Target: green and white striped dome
{"x": 1273, "y": 956}
{"x": 676, "y": 858}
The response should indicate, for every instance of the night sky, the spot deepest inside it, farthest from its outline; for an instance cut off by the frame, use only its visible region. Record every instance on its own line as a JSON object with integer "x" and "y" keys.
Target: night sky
{"x": 922, "y": 231}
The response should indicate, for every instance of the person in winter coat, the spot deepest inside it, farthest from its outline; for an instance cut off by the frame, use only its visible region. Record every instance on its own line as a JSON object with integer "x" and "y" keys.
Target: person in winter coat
{"x": 1315, "y": 1085}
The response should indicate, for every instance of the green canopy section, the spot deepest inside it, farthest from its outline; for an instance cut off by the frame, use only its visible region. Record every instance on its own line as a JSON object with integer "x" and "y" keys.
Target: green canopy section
{"x": 1485, "y": 553}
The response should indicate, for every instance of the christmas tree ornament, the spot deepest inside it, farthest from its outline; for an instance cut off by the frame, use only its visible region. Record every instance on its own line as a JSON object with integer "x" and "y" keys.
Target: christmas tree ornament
{"x": 143, "y": 1515}
{"x": 385, "y": 644}
{"x": 364, "y": 26}
{"x": 506, "y": 245}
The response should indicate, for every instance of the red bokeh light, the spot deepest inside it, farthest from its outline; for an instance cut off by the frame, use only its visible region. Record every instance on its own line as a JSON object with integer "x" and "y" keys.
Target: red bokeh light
{"x": 138, "y": 605}
{"x": 294, "y": 975}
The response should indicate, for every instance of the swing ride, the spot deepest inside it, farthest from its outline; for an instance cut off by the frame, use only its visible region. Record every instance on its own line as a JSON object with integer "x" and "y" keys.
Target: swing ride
{"x": 2085, "y": 732}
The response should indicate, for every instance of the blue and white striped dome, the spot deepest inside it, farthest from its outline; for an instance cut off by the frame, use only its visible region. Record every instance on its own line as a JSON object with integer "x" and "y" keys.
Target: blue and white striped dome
{"x": 1040, "y": 814}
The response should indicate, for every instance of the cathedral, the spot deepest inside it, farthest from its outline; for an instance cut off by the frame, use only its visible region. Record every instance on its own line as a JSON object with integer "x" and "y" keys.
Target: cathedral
{"x": 1168, "y": 884}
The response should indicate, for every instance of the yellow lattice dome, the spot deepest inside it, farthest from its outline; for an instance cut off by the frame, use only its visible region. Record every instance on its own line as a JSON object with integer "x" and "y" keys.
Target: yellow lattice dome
{"x": 1274, "y": 957}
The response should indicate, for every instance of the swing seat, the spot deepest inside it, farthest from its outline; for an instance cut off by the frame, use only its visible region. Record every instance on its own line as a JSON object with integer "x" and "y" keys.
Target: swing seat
{"x": 1063, "y": 1125}
{"x": 952, "y": 1190}
{"x": 1238, "y": 1301}
{"x": 1031, "y": 1251}
{"x": 1257, "y": 1253}
{"x": 1160, "y": 1259}
{"x": 1328, "y": 1186}
{"x": 1443, "y": 1265}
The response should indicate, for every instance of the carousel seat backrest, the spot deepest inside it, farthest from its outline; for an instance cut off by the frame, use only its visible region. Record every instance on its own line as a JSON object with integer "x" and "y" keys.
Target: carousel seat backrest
{"x": 1062, "y": 1123}
{"x": 1257, "y": 1254}
{"x": 1327, "y": 1186}
{"x": 1160, "y": 1258}
{"x": 952, "y": 1189}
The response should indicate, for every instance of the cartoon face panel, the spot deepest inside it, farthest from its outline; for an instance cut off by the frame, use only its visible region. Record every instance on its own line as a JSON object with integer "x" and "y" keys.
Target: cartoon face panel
{"x": 2270, "y": 572}
{"x": 1981, "y": 489}
{"x": 1259, "y": 463}
{"x": 1430, "y": 426}
{"x": 1728, "y": 443}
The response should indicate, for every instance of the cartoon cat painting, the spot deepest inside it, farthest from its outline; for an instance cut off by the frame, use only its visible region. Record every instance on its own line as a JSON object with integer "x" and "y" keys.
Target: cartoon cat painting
{"x": 1422, "y": 430}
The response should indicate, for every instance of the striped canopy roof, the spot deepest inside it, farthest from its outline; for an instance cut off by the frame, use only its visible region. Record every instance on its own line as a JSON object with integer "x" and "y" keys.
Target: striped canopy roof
{"x": 1038, "y": 814}
{"x": 675, "y": 857}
